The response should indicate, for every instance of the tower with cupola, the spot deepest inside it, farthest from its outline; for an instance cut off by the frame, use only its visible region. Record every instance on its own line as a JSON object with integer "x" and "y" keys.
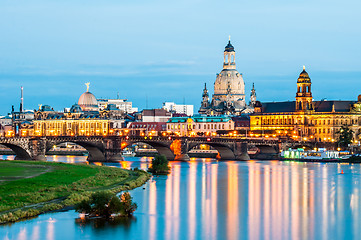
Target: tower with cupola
{"x": 304, "y": 94}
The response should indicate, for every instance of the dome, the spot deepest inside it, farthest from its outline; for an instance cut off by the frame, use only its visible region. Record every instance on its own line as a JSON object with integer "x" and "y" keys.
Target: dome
{"x": 304, "y": 77}
{"x": 229, "y": 47}
{"x": 75, "y": 108}
{"x": 88, "y": 102}
{"x": 359, "y": 98}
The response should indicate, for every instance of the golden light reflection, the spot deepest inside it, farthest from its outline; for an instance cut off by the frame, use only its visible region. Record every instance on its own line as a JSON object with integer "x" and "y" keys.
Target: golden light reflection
{"x": 192, "y": 199}
{"x": 232, "y": 207}
{"x": 152, "y": 210}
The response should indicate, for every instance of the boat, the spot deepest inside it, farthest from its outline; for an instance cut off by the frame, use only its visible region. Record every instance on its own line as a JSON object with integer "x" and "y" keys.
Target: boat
{"x": 320, "y": 155}
{"x": 128, "y": 153}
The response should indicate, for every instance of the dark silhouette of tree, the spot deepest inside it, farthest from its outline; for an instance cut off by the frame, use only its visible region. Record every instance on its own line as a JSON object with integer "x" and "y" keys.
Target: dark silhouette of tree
{"x": 159, "y": 165}
{"x": 345, "y": 136}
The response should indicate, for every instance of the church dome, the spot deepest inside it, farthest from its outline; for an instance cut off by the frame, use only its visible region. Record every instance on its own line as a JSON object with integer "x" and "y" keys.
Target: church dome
{"x": 88, "y": 102}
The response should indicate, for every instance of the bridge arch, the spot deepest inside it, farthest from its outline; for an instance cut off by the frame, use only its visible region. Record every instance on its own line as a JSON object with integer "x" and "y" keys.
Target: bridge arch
{"x": 21, "y": 153}
{"x": 95, "y": 153}
{"x": 225, "y": 152}
{"x": 162, "y": 149}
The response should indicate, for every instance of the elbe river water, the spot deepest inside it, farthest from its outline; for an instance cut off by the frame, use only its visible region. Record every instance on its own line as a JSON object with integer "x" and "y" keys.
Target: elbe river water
{"x": 210, "y": 199}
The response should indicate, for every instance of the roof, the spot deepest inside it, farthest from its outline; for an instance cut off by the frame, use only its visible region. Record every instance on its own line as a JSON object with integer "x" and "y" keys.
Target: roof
{"x": 326, "y": 106}
{"x": 229, "y": 47}
{"x": 319, "y": 106}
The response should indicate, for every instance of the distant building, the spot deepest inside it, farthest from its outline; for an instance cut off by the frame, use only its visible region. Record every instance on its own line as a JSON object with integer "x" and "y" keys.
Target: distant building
{"x": 147, "y": 128}
{"x": 178, "y": 108}
{"x": 242, "y": 123}
{"x": 83, "y": 119}
{"x": 305, "y": 118}
{"x": 155, "y": 115}
{"x": 199, "y": 125}
{"x": 121, "y": 104}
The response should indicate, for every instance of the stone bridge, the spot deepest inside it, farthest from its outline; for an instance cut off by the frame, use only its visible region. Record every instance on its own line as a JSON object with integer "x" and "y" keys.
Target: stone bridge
{"x": 109, "y": 148}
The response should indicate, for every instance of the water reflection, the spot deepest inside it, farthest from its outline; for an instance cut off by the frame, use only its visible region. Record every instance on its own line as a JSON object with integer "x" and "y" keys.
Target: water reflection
{"x": 208, "y": 199}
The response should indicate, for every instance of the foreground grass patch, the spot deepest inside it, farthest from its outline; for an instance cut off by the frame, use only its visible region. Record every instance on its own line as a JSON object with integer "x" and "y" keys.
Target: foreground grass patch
{"x": 67, "y": 184}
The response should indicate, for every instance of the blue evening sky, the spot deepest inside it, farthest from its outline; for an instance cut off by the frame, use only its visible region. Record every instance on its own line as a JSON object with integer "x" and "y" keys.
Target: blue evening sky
{"x": 166, "y": 50}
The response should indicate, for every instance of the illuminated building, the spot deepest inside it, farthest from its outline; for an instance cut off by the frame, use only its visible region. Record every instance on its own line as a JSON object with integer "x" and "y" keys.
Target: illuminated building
{"x": 147, "y": 128}
{"x": 73, "y": 123}
{"x": 199, "y": 125}
{"x": 83, "y": 119}
{"x": 304, "y": 118}
{"x": 229, "y": 89}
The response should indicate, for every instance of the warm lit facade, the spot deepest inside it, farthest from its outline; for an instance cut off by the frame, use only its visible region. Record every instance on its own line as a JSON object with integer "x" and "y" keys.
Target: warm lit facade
{"x": 199, "y": 126}
{"x": 304, "y": 118}
{"x": 50, "y": 123}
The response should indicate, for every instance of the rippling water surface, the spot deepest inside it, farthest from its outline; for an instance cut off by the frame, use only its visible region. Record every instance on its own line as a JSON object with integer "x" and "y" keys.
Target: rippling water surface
{"x": 209, "y": 199}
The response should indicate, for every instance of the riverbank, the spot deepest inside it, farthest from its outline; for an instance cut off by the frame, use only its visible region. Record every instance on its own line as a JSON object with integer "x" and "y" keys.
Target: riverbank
{"x": 29, "y": 188}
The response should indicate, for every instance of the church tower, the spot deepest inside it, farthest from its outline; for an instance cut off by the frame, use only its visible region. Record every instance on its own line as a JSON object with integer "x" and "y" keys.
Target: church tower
{"x": 303, "y": 95}
{"x": 229, "y": 95}
{"x": 205, "y": 101}
{"x": 253, "y": 97}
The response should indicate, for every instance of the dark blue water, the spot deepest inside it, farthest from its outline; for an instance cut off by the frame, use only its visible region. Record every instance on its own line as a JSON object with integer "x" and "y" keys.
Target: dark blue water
{"x": 208, "y": 199}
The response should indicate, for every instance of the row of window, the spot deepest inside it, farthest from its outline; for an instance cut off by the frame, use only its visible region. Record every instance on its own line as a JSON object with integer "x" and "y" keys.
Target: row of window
{"x": 334, "y": 122}
{"x": 59, "y": 125}
{"x": 197, "y": 126}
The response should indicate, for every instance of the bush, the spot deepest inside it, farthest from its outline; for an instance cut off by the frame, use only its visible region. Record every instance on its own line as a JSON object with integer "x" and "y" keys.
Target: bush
{"x": 159, "y": 165}
{"x": 106, "y": 203}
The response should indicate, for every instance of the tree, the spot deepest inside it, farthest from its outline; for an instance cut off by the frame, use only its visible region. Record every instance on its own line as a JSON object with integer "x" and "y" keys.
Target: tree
{"x": 345, "y": 136}
{"x": 127, "y": 204}
{"x": 159, "y": 165}
{"x": 105, "y": 204}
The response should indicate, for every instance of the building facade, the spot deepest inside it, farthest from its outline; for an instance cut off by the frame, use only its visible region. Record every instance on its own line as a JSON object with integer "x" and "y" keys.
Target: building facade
{"x": 121, "y": 104}
{"x": 155, "y": 115}
{"x": 304, "y": 118}
{"x": 199, "y": 125}
{"x": 178, "y": 108}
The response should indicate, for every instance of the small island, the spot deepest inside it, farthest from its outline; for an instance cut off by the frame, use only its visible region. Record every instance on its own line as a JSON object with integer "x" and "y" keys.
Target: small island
{"x": 107, "y": 204}
{"x": 160, "y": 165}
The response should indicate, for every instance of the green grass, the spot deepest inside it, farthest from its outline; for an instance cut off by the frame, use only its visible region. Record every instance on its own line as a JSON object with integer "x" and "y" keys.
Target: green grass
{"x": 69, "y": 183}
{"x": 12, "y": 171}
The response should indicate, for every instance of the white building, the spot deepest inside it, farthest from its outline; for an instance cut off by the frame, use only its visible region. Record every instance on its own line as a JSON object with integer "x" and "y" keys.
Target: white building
{"x": 121, "y": 104}
{"x": 178, "y": 108}
{"x": 155, "y": 115}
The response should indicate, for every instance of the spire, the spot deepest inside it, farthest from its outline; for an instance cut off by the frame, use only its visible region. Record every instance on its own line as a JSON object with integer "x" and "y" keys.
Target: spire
{"x": 304, "y": 68}
{"x": 253, "y": 96}
{"x": 22, "y": 101}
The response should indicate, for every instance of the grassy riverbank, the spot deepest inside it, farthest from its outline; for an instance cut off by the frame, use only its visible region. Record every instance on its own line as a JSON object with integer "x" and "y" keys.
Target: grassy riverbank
{"x": 30, "y": 188}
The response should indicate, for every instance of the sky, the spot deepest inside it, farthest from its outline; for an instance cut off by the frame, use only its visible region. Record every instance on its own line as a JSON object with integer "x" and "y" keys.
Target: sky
{"x": 155, "y": 51}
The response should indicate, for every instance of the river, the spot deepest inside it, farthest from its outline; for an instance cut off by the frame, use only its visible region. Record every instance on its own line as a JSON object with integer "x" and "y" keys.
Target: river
{"x": 209, "y": 199}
